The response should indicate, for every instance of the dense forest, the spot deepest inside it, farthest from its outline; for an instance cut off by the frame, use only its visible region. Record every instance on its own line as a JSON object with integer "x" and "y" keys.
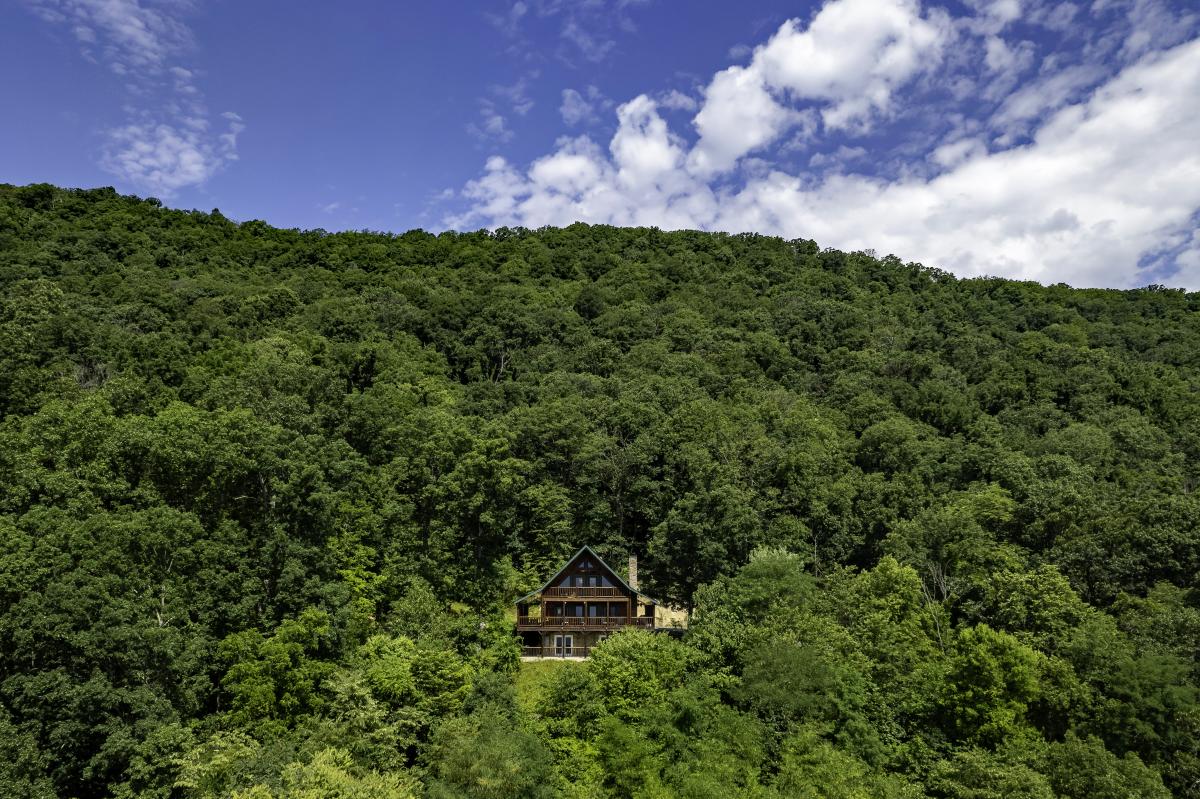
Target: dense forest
{"x": 266, "y": 497}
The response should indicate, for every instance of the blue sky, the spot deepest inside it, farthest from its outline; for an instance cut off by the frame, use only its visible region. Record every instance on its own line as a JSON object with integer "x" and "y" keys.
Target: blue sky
{"x": 1054, "y": 140}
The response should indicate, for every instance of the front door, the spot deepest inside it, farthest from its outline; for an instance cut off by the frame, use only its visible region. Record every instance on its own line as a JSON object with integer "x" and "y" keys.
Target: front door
{"x": 563, "y": 645}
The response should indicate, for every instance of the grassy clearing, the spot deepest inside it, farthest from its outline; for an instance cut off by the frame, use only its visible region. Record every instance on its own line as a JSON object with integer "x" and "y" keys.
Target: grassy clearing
{"x": 533, "y": 676}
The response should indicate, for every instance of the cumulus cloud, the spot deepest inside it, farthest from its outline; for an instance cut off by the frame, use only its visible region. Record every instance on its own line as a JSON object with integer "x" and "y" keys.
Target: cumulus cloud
{"x": 739, "y": 116}
{"x": 849, "y": 59}
{"x": 854, "y": 55}
{"x": 1103, "y": 183}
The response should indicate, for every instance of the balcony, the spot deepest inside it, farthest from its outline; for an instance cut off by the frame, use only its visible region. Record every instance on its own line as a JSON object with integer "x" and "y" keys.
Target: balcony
{"x": 582, "y": 591}
{"x": 583, "y": 622}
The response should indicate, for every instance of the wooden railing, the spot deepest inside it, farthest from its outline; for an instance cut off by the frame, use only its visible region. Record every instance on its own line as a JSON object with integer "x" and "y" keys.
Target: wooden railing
{"x": 585, "y": 621}
{"x": 556, "y": 652}
{"x": 579, "y": 590}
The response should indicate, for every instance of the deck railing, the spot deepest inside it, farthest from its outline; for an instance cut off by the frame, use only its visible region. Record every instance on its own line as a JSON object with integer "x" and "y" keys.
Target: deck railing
{"x": 556, "y": 652}
{"x": 585, "y": 621}
{"x": 579, "y": 590}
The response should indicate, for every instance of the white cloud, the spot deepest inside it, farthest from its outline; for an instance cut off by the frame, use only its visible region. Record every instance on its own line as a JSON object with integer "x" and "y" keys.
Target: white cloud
{"x": 676, "y": 100}
{"x": 163, "y": 158}
{"x": 956, "y": 152}
{"x": 1188, "y": 261}
{"x": 740, "y": 51}
{"x": 585, "y": 29}
{"x": 850, "y": 58}
{"x": 579, "y": 181}
{"x": 993, "y": 16}
{"x": 1001, "y": 57}
{"x": 492, "y": 125}
{"x": 582, "y": 107}
{"x": 838, "y": 158}
{"x": 739, "y": 116}
{"x": 1155, "y": 23}
{"x": 1048, "y": 93}
{"x": 587, "y": 41}
{"x": 510, "y": 22}
{"x": 645, "y": 152}
{"x": 166, "y": 145}
{"x": 516, "y": 94}
{"x": 1056, "y": 17}
{"x": 495, "y": 109}
{"x": 131, "y": 35}
{"x": 853, "y": 55}
{"x": 574, "y": 108}
{"x": 1105, "y": 180}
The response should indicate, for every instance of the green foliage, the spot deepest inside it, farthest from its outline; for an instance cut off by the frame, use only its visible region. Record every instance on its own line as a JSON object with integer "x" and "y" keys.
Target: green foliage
{"x": 487, "y": 756}
{"x": 991, "y": 682}
{"x": 634, "y": 669}
{"x": 266, "y": 497}
{"x": 274, "y": 680}
{"x": 812, "y": 768}
{"x": 22, "y": 765}
{"x": 331, "y": 773}
{"x": 981, "y": 774}
{"x": 1083, "y": 768}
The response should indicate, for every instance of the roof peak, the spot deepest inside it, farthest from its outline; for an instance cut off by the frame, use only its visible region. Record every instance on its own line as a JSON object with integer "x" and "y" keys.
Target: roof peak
{"x": 588, "y": 549}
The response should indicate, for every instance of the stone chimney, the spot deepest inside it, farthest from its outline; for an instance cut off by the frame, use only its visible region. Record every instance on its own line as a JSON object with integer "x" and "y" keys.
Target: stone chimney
{"x": 633, "y": 572}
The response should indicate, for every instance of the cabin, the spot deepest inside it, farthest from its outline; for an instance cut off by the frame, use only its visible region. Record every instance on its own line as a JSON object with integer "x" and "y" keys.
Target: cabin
{"x": 580, "y": 606}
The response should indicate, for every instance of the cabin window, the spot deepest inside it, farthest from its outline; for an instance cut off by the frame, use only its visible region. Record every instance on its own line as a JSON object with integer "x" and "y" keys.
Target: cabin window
{"x": 586, "y": 580}
{"x": 616, "y": 609}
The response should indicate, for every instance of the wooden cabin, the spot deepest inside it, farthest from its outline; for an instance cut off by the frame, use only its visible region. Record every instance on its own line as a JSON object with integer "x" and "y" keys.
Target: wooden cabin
{"x": 579, "y": 606}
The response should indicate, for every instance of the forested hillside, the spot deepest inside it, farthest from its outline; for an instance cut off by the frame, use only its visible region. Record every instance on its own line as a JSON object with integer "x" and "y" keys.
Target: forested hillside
{"x": 266, "y": 496}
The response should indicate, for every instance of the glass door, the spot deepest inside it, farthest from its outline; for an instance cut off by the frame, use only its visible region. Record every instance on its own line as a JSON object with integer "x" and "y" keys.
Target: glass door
{"x": 563, "y": 646}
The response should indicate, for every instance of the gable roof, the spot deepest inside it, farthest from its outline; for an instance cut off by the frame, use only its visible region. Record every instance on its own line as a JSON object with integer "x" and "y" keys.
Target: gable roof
{"x": 572, "y": 559}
